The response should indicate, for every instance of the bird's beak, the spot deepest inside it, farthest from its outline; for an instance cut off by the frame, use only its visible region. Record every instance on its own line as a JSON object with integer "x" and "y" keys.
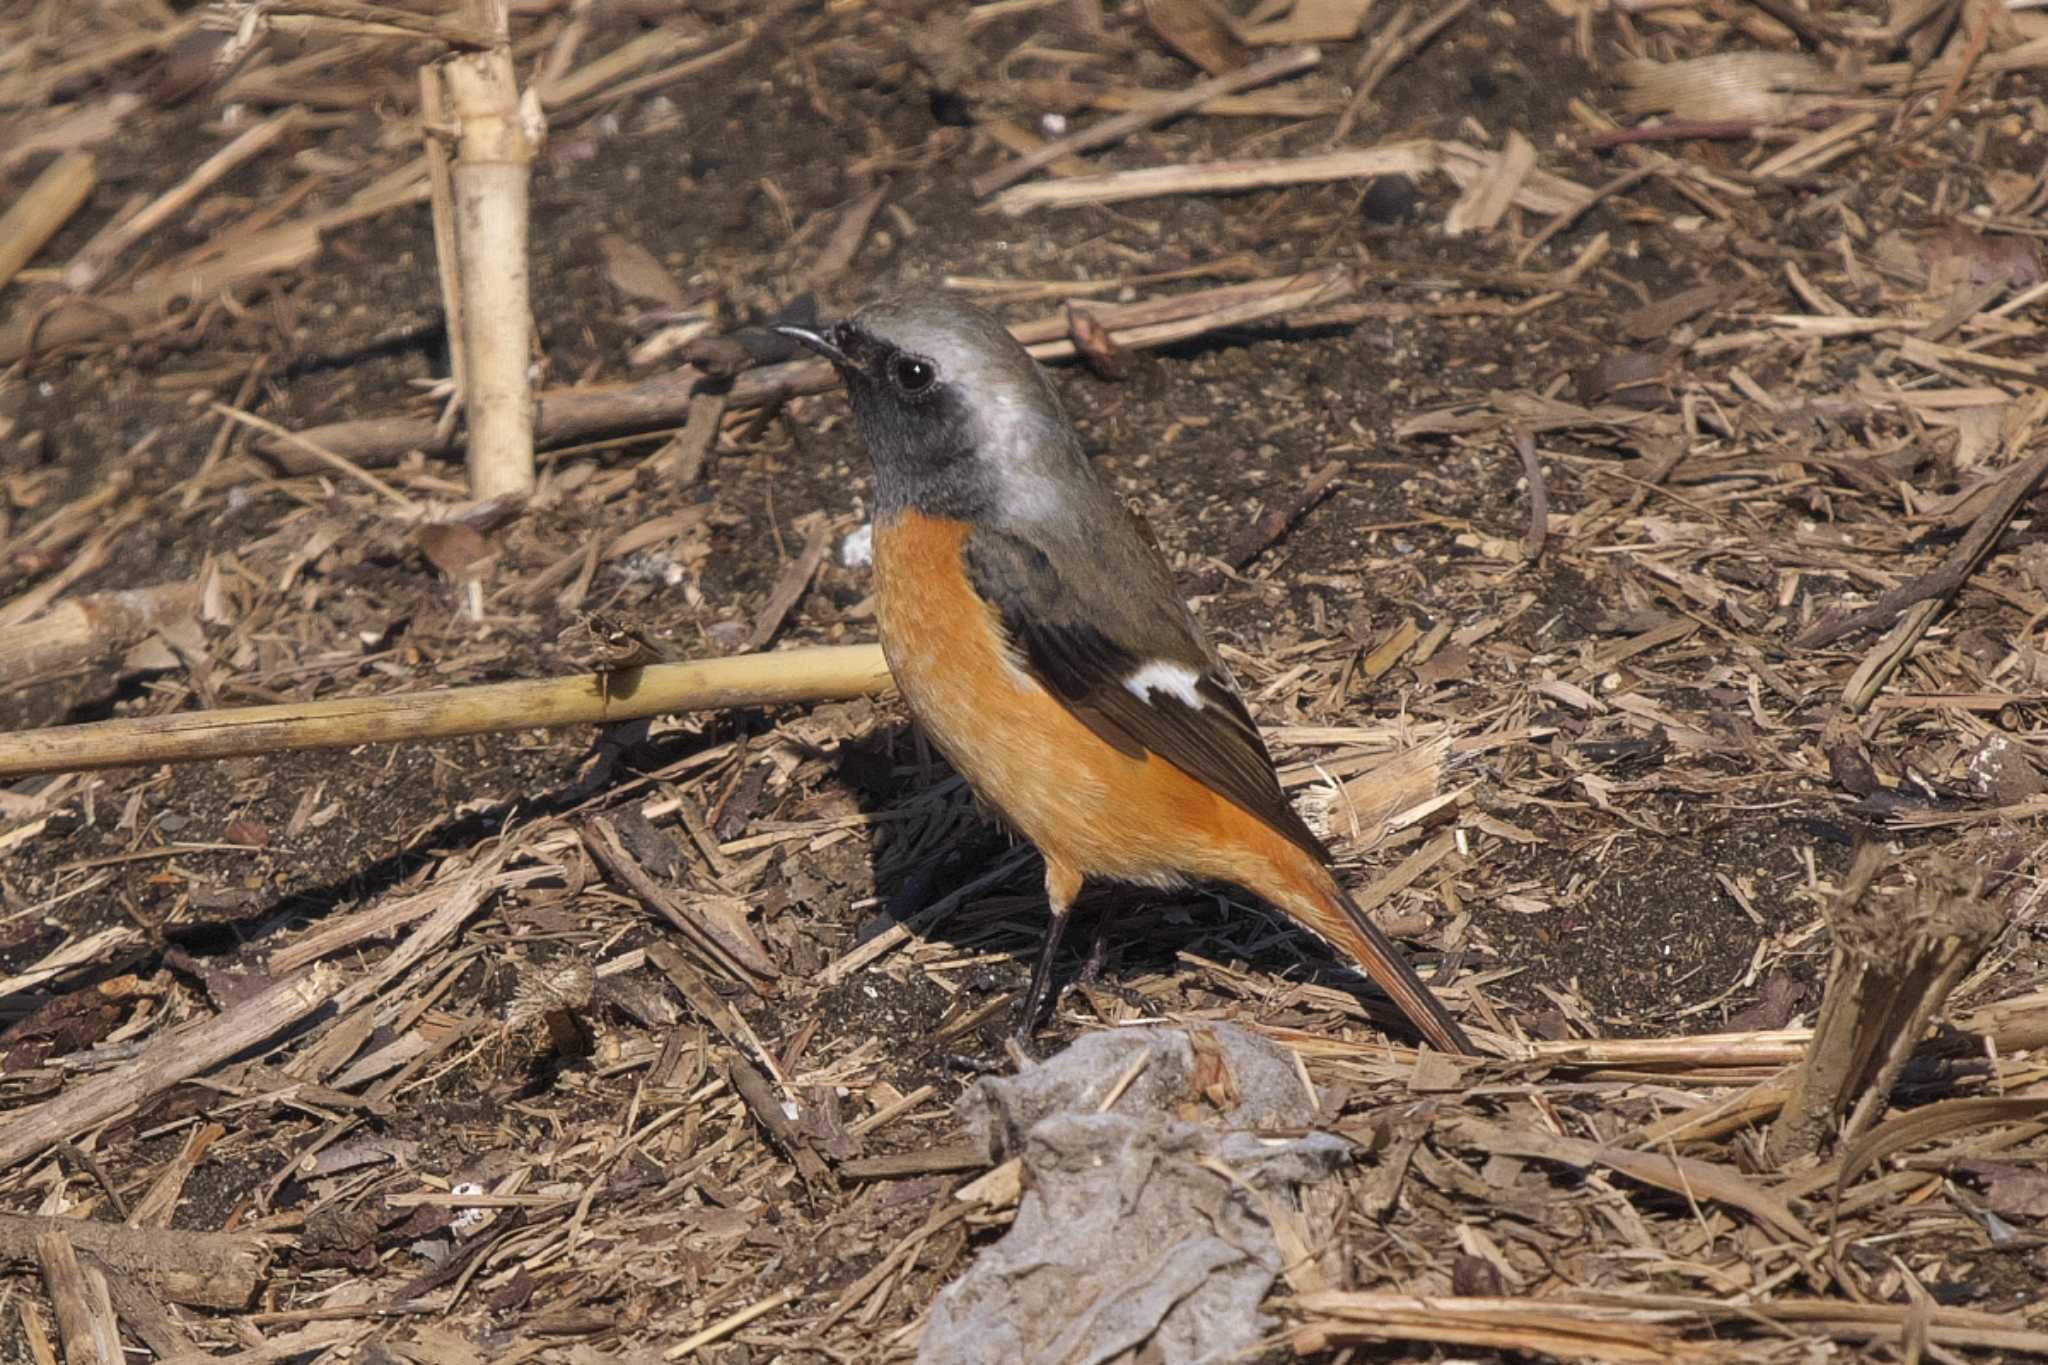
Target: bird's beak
{"x": 821, "y": 342}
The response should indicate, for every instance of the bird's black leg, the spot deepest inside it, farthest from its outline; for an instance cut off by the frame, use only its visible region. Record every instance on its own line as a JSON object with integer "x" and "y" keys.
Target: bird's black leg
{"x": 1041, "y": 975}
{"x": 1061, "y": 887}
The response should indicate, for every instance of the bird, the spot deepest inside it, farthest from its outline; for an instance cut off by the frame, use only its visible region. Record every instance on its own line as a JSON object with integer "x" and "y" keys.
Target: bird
{"x": 1036, "y": 635}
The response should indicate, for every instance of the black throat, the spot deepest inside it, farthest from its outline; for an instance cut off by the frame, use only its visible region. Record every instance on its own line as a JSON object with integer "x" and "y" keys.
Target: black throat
{"x": 923, "y": 453}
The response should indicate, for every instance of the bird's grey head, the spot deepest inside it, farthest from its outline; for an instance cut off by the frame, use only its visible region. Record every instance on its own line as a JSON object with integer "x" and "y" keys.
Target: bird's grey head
{"x": 959, "y": 420}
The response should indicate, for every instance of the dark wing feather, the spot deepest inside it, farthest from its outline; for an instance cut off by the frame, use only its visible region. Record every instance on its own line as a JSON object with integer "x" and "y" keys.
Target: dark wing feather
{"x": 1061, "y": 641}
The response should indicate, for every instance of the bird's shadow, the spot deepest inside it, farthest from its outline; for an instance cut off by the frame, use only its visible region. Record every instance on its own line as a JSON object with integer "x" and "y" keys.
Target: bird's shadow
{"x": 1119, "y": 936}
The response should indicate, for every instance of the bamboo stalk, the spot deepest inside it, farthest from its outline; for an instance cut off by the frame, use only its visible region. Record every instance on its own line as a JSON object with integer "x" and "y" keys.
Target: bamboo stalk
{"x": 824, "y": 673}
{"x": 493, "y": 160}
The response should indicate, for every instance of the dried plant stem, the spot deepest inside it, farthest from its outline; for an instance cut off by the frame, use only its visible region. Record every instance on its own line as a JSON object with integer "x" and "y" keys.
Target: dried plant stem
{"x": 1815, "y": 33}
{"x": 32, "y": 82}
{"x": 558, "y": 84}
{"x": 85, "y": 1313}
{"x": 1311, "y": 289}
{"x": 175, "y": 1056}
{"x": 85, "y": 627}
{"x": 742, "y": 960}
{"x": 1262, "y": 534}
{"x": 1627, "y": 180}
{"x": 90, "y": 558}
{"x": 89, "y": 265}
{"x": 285, "y": 247}
{"x": 1115, "y": 187}
{"x": 1896, "y": 959}
{"x": 1396, "y": 45}
{"x": 1647, "y": 1328}
{"x": 441, "y": 201}
{"x": 493, "y": 159}
{"x": 791, "y": 584}
{"x": 1272, "y": 67}
{"x": 1332, "y": 1319}
{"x": 45, "y": 206}
{"x": 1539, "y": 494}
{"x": 674, "y": 74}
{"x": 819, "y": 674}
{"x": 1122, "y": 99}
{"x": 475, "y": 34}
{"x": 732, "y": 1322}
{"x": 213, "y": 1269}
{"x": 665, "y": 399}
{"x": 900, "y": 933}
{"x": 404, "y": 505}
{"x": 1888, "y": 655}
{"x": 1942, "y": 583}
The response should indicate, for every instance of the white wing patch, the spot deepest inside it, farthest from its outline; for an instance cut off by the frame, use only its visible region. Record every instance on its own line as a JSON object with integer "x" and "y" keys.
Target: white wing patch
{"x": 1164, "y": 677}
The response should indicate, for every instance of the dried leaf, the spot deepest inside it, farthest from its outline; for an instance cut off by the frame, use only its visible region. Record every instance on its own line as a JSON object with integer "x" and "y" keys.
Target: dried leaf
{"x": 635, "y": 272}
{"x": 1452, "y": 663}
{"x": 453, "y": 548}
{"x": 1312, "y": 21}
{"x": 1957, "y": 257}
{"x": 1097, "y": 347}
{"x": 1767, "y": 87}
{"x": 1210, "y": 1078}
{"x": 2013, "y": 1191}
{"x": 1197, "y": 33}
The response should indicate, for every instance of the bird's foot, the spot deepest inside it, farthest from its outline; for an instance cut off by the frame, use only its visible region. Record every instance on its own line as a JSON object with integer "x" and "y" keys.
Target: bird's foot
{"x": 973, "y": 1066}
{"x": 1094, "y": 976}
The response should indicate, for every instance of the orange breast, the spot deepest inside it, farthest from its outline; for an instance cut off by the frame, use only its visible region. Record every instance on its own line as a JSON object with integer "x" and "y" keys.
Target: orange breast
{"x": 1090, "y": 809}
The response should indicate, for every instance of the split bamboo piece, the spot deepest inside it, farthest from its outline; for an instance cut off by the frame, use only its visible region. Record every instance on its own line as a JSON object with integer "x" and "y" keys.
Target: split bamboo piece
{"x": 1896, "y": 958}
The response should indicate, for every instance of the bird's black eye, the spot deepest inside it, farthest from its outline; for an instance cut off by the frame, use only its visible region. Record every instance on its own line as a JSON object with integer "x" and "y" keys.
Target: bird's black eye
{"x": 911, "y": 374}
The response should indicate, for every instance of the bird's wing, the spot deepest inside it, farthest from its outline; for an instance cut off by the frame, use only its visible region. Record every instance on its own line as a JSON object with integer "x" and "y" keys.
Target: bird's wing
{"x": 1143, "y": 684}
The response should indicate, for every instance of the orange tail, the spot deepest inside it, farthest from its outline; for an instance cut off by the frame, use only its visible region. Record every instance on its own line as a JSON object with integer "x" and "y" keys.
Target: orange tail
{"x": 1318, "y": 902}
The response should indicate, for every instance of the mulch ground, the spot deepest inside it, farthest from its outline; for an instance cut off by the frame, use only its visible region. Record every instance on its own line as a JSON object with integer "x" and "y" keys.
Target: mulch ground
{"x": 1614, "y": 485}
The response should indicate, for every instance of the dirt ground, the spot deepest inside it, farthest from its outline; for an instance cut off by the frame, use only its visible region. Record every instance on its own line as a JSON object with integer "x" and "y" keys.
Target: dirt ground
{"x": 1657, "y": 789}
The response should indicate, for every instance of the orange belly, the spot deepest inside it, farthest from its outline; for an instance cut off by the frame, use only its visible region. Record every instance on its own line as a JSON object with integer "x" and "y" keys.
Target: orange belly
{"x": 1090, "y": 809}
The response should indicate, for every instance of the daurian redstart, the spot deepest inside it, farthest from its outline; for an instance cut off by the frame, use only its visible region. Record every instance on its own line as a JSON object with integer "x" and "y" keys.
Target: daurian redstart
{"x": 1036, "y": 634}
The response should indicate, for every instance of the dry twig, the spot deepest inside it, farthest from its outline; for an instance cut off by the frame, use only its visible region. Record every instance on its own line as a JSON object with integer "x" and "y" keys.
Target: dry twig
{"x": 1943, "y": 582}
